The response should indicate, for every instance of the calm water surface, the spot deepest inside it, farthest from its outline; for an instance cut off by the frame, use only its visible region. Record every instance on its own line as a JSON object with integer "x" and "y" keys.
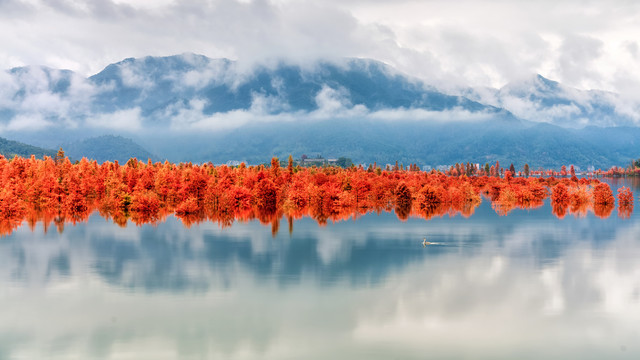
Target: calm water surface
{"x": 522, "y": 286}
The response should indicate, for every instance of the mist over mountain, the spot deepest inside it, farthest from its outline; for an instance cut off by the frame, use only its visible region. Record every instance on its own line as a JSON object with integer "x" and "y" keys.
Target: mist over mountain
{"x": 186, "y": 92}
{"x": 542, "y": 100}
{"x": 192, "y": 108}
{"x": 161, "y": 87}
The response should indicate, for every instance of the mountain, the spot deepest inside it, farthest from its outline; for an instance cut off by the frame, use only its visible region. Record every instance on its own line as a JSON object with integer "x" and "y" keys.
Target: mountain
{"x": 184, "y": 91}
{"x": 158, "y": 86}
{"x": 189, "y": 91}
{"x": 367, "y": 141}
{"x": 9, "y": 149}
{"x": 542, "y": 100}
{"x": 192, "y": 108}
{"x": 107, "y": 148}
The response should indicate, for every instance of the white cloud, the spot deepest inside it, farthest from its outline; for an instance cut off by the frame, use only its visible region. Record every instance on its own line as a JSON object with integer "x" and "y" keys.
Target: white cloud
{"x": 215, "y": 72}
{"x": 576, "y": 54}
{"x": 28, "y": 122}
{"x": 488, "y": 43}
{"x": 133, "y": 77}
{"x": 584, "y": 44}
{"x": 332, "y": 104}
{"x": 532, "y": 98}
{"x": 625, "y": 107}
{"x": 427, "y": 302}
{"x": 267, "y": 104}
{"x": 123, "y": 120}
{"x": 190, "y": 119}
{"x": 534, "y": 111}
{"x": 453, "y": 115}
{"x": 33, "y": 95}
{"x": 45, "y": 102}
{"x": 8, "y": 88}
{"x": 331, "y": 101}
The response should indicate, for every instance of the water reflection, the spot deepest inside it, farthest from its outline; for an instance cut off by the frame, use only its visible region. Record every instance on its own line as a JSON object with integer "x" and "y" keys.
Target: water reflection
{"x": 526, "y": 285}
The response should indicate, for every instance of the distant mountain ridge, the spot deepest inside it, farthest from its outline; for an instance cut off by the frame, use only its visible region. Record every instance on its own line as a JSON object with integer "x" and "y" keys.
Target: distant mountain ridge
{"x": 367, "y": 141}
{"x": 192, "y": 108}
{"x": 108, "y": 148}
{"x": 161, "y": 85}
{"x": 160, "y": 89}
{"x": 102, "y": 148}
{"x": 10, "y": 148}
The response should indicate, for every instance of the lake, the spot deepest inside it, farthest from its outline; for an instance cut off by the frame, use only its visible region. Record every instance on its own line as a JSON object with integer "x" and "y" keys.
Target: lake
{"x": 523, "y": 286}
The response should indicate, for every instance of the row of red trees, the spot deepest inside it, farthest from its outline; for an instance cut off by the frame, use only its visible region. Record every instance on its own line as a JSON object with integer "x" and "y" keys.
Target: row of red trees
{"x": 495, "y": 170}
{"x": 57, "y": 191}
{"x": 620, "y": 172}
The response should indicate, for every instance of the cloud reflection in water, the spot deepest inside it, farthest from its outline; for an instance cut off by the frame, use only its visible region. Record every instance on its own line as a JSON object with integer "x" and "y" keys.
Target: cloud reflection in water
{"x": 527, "y": 284}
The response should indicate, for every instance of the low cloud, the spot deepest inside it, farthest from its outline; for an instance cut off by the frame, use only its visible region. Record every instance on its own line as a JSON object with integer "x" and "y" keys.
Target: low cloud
{"x": 537, "y": 100}
{"x": 216, "y": 72}
{"x": 133, "y": 77}
{"x": 267, "y": 104}
{"x": 31, "y": 122}
{"x": 124, "y": 120}
{"x": 452, "y": 115}
{"x": 336, "y": 103}
{"x": 535, "y": 111}
{"x": 33, "y": 95}
{"x": 332, "y": 104}
{"x": 8, "y": 89}
{"x": 36, "y": 98}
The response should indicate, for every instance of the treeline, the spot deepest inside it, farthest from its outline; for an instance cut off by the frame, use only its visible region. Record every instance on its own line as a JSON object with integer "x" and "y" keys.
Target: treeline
{"x": 495, "y": 170}
{"x": 632, "y": 170}
{"x": 54, "y": 190}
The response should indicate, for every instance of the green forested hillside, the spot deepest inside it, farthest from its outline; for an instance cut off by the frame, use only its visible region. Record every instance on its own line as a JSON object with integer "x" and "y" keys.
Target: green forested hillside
{"x": 10, "y": 148}
{"x": 423, "y": 143}
{"x": 107, "y": 148}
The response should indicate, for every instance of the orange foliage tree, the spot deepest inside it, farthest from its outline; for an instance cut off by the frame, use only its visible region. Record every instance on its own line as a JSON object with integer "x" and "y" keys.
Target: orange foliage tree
{"x": 56, "y": 190}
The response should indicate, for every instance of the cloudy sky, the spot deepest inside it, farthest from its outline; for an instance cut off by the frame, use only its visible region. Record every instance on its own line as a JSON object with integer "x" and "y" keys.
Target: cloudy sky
{"x": 582, "y": 43}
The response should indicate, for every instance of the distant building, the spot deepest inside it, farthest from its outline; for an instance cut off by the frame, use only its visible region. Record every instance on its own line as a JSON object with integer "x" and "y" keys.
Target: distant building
{"x": 320, "y": 161}
{"x": 233, "y": 163}
{"x": 308, "y": 161}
